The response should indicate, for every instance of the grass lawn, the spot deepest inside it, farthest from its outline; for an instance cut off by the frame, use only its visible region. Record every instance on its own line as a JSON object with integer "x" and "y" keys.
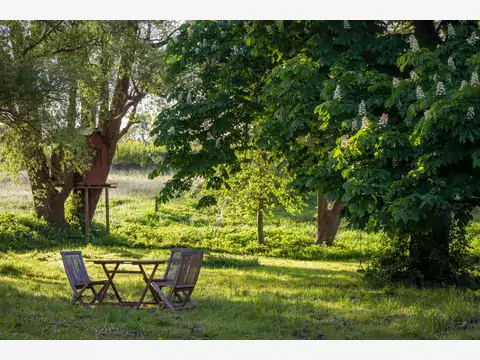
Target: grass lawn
{"x": 244, "y": 291}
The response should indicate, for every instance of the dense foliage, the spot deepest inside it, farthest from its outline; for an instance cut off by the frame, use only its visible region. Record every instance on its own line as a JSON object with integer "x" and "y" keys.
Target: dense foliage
{"x": 380, "y": 116}
{"x": 62, "y": 80}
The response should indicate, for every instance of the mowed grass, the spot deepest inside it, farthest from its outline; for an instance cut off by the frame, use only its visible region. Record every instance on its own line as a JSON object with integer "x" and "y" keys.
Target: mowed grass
{"x": 237, "y": 299}
{"x": 252, "y": 294}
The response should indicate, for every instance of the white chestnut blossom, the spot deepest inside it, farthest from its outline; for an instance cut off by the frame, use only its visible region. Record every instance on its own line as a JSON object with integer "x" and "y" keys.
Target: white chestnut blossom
{"x": 206, "y": 125}
{"x": 473, "y": 39}
{"x": 451, "y": 64}
{"x": 383, "y": 120}
{"x": 414, "y": 76}
{"x": 346, "y": 25}
{"x": 362, "y": 110}
{"x": 399, "y": 105}
{"x": 414, "y": 46}
{"x": 337, "y": 95}
{"x": 450, "y": 31}
{"x": 474, "y": 81}
{"x": 205, "y": 44}
{"x": 427, "y": 115}
{"x": 189, "y": 97}
{"x": 365, "y": 123}
{"x": 440, "y": 89}
{"x": 344, "y": 141}
{"x": 463, "y": 84}
{"x": 419, "y": 92}
{"x": 354, "y": 125}
{"x": 470, "y": 113}
{"x": 197, "y": 50}
{"x": 395, "y": 82}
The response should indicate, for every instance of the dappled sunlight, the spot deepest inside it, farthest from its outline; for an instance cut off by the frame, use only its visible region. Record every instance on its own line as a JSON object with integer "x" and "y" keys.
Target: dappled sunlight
{"x": 304, "y": 300}
{"x": 241, "y": 293}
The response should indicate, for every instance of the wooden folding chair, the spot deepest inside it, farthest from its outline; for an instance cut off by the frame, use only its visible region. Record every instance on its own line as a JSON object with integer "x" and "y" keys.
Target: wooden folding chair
{"x": 180, "y": 276}
{"x": 78, "y": 277}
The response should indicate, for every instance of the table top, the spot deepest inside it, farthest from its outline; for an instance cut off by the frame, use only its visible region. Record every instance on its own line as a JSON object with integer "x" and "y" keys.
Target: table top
{"x": 127, "y": 261}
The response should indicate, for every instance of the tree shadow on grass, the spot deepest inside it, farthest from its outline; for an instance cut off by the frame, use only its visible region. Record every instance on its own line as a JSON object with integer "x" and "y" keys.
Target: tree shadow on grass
{"x": 39, "y": 317}
{"x": 27, "y": 316}
{"x": 253, "y": 303}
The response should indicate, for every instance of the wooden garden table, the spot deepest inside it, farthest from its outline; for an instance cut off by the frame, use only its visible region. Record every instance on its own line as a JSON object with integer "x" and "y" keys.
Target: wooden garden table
{"x": 148, "y": 279}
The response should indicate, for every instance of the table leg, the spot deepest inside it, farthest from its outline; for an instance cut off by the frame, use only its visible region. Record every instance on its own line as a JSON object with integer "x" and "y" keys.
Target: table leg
{"x": 150, "y": 287}
{"x": 110, "y": 276}
{"x": 148, "y": 282}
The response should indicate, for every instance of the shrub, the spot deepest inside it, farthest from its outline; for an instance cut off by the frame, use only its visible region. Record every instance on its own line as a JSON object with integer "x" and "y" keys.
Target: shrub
{"x": 131, "y": 153}
{"x": 20, "y": 232}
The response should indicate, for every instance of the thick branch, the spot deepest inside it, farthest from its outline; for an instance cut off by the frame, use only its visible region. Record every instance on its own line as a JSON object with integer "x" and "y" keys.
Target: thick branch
{"x": 128, "y": 105}
{"x": 165, "y": 41}
{"x": 68, "y": 184}
{"x": 337, "y": 207}
{"x": 126, "y": 128}
{"x": 42, "y": 39}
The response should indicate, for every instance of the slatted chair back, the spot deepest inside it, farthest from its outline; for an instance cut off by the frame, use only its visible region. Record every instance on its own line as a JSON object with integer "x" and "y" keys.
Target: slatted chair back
{"x": 173, "y": 264}
{"x": 75, "y": 268}
{"x": 189, "y": 268}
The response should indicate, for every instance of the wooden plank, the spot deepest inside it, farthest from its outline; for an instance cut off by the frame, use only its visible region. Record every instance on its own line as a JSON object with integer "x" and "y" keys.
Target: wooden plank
{"x": 126, "y": 261}
{"x": 107, "y": 212}
{"x": 87, "y": 212}
{"x": 98, "y": 186}
{"x": 149, "y": 262}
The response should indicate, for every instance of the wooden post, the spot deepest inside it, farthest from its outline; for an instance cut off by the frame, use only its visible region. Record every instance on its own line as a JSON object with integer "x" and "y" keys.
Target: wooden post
{"x": 87, "y": 212}
{"x": 156, "y": 205}
{"x": 107, "y": 212}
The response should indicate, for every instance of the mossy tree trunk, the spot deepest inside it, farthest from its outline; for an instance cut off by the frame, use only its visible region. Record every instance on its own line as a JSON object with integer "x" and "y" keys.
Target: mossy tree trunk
{"x": 328, "y": 220}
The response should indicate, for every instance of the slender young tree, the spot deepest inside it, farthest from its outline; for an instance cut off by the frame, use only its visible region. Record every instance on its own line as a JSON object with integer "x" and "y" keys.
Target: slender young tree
{"x": 258, "y": 188}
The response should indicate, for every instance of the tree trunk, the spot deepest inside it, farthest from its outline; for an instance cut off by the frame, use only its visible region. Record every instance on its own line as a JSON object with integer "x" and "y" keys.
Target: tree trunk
{"x": 322, "y": 208}
{"x": 430, "y": 255}
{"x": 48, "y": 202}
{"x": 426, "y": 33}
{"x": 56, "y": 171}
{"x": 328, "y": 220}
{"x": 260, "y": 235}
{"x": 110, "y": 117}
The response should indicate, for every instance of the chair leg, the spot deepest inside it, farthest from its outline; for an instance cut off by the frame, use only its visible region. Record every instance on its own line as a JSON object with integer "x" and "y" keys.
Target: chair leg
{"x": 95, "y": 295}
{"x": 165, "y": 299}
{"x": 78, "y": 295}
{"x": 186, "y": 299}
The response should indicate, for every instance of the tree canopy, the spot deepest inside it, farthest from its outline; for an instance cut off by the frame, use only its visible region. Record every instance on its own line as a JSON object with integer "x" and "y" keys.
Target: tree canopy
{"x": 377, "y": 115}
{"x": 60, "y": 80}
